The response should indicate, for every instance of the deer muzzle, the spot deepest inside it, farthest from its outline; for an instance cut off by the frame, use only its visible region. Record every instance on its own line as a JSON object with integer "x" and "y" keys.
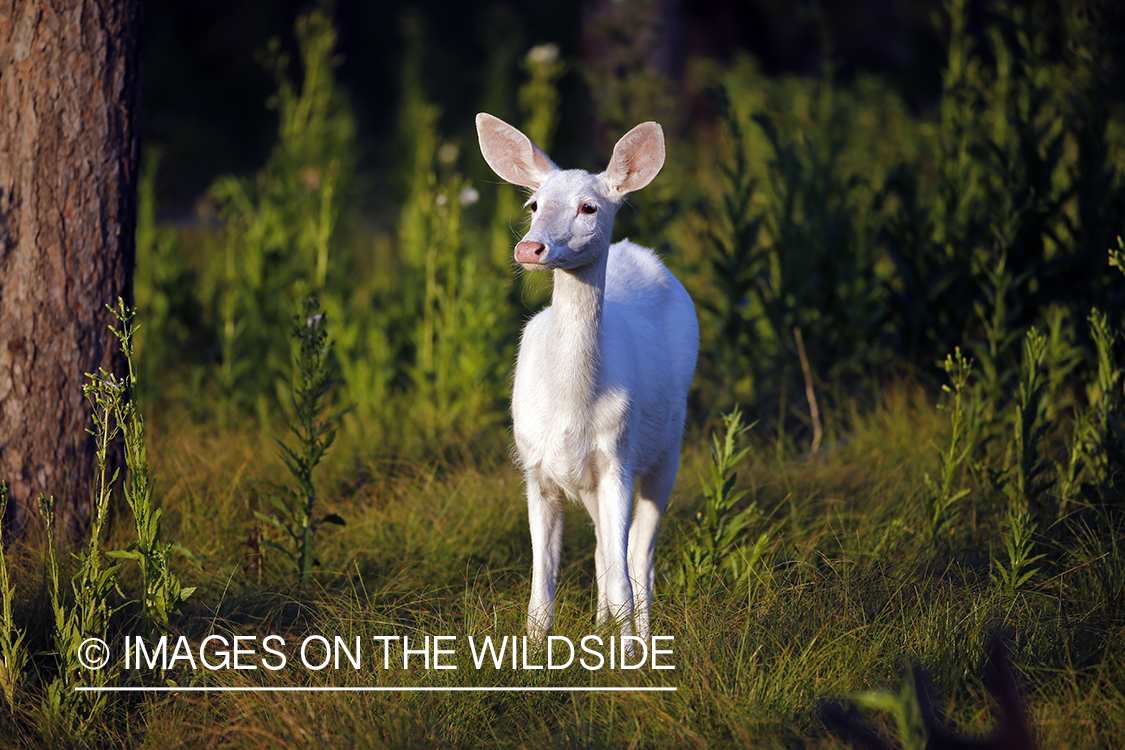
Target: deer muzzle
{"x": 529, "y": 251}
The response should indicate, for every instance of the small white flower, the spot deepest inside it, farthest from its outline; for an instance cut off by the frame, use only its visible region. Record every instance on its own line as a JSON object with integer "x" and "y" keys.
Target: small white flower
{"x": 440, "y": 199}
{"x": 314, "y": 321}
{"x": 543, "y": 53}
{"x": 469, "y": 196}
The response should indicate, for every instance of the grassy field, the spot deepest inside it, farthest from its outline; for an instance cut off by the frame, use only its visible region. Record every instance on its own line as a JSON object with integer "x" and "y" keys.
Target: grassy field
{"x": 847, "y": 594}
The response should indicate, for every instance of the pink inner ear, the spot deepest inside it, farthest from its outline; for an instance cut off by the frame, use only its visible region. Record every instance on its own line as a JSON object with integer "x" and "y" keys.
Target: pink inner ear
{"x": 511, "y": 154}
{"x": 637, "y": 158}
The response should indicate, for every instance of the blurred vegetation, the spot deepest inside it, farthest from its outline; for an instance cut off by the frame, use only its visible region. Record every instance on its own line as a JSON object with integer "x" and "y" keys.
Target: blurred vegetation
{"x": 944, "y": 269}
{"x": 888, "y": 238}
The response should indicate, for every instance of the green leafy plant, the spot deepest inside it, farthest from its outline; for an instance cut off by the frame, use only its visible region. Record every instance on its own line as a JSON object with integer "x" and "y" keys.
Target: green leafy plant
{"x": 1024, "y": 484}
{"x": 14, "y": 656}
{"x": 1106, "y": 446}
{"x": 1011, "y": 576}
{"x": 1022, "y": 481}
{"x": 93, "y": 585}
{"x": 539, "y": 102}
{"x": 163, "y": 595}
{"x": 942, "y": 498}
{"x": 459, "y": 323}
{"x": 789, "y": 239}
{"x": 1117, "y": 256}
{"x": 736, "y": 257}
{"x": 295, "y": 508}
{"x": 83, "y": 617}
{"x": 821, "y": 272}
{"x": 1097, "y": 443}
{"x": 712, "y": 548}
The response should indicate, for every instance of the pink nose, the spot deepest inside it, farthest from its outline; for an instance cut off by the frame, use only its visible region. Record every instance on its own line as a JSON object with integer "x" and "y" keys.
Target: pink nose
{"x": 529, "y": 252}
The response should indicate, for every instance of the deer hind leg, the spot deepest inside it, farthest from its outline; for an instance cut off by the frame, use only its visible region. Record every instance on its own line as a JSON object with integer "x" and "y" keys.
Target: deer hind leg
{"x": 545, "y": 515}
{"x": 652, "y": 498}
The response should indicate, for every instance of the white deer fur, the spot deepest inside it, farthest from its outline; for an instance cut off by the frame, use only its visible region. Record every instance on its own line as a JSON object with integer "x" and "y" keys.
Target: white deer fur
{"x": 602, "y": 376}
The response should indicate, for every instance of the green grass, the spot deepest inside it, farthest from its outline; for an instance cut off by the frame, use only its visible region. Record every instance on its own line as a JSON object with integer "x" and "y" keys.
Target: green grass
{"x": 852, "y": 593}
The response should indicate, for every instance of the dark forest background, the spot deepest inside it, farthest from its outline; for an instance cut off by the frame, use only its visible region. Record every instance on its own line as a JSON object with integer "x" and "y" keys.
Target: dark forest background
{"x": 205, "y": 87}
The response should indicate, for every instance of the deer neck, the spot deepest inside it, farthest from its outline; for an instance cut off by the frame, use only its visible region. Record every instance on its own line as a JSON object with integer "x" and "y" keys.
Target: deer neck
{"x": 577, "y": 304}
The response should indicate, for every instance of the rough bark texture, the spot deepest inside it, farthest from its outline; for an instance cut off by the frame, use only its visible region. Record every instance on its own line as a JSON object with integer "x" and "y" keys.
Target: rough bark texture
{"x": 69, "y": 75}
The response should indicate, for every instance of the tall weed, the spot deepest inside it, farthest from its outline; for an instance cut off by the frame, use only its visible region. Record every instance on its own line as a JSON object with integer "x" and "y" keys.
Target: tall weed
{"x": 942, "y": 497}
{"x": 93, "y": 586}
{"x": 315, "y": 434}
{"x": 713, "y": 548}
{"x": 14, "y": 655}
{"x": 162, "y": 595}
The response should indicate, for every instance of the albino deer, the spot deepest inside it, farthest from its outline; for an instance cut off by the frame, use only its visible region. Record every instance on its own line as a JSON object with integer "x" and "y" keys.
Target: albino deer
{"x": 602, "y": 376}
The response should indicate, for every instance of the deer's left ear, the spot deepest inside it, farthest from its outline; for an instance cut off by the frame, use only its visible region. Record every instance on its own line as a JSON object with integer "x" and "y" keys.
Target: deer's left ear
{"x": 637, "y": 158}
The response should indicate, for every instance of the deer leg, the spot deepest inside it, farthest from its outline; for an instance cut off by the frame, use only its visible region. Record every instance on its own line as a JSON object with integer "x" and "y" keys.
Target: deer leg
{"x": 611, "y": 523}
{"x": 652, "y": 498}
{"x": 545, "y": 515}
{"x": 590, "y": 501}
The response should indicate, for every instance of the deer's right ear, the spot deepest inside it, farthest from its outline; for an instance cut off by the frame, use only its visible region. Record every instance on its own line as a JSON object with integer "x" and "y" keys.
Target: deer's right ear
{"x": 511, "y": 154}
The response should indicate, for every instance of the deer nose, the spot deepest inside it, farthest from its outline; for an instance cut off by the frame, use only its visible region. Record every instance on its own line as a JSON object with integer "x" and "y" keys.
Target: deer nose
{"x": 529, "y": 251}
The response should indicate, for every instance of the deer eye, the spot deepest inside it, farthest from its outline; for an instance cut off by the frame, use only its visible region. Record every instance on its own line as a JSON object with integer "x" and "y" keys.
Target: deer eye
{"x": 533, "y": 205}
{"x": 589, "y": 208}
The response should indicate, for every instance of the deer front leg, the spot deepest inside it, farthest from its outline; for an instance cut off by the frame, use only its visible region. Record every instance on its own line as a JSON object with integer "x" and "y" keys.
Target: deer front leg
{"x": 615, "y": 592}
{"x": 590, "y": 501}
{"x": 545, "y": 515}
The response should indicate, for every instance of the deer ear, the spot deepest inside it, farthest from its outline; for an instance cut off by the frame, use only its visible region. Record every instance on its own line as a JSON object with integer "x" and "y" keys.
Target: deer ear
{"x": 511, "y": 154}
{"x": 637, "y": 158}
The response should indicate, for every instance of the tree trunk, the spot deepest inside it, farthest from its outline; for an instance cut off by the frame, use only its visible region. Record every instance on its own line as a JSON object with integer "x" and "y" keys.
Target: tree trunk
{"x": 69, "y": 111}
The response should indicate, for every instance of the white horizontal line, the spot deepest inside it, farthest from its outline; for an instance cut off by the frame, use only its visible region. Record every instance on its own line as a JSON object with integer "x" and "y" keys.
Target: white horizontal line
{"x": 374, "y": 689}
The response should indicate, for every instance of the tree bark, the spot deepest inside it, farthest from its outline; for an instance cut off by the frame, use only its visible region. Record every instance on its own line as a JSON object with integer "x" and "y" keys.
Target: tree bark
{"x": 69, "y": 117}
